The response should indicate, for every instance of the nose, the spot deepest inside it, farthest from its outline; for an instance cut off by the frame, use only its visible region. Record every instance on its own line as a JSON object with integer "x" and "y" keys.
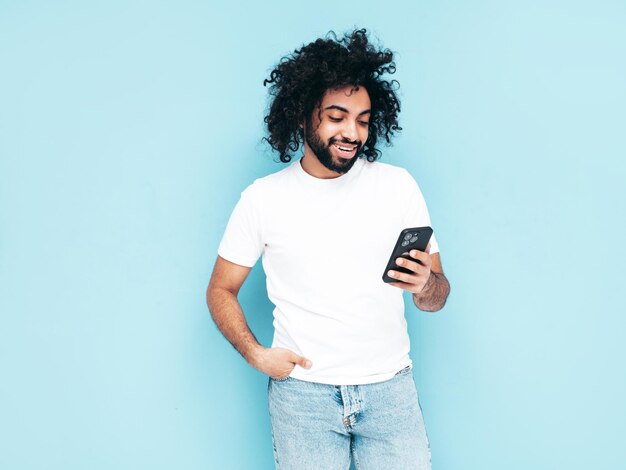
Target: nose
{"x": 349, "y": 131}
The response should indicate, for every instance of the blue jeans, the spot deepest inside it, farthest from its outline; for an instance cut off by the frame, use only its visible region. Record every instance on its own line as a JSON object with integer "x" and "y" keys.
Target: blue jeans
{"x": 321, "y": 427}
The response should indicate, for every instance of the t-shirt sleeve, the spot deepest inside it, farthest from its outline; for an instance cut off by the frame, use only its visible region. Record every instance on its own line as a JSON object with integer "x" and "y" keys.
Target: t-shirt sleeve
{"x": 242, "y": 242}
{"x": 417, "y": 212}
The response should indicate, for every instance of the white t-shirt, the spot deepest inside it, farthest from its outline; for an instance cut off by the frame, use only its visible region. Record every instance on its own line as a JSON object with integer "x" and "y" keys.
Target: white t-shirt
{"x": 325, "y": 244}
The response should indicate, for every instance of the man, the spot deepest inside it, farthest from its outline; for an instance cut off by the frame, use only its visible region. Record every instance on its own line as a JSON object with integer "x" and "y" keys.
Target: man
{"x": 340, "y": 377}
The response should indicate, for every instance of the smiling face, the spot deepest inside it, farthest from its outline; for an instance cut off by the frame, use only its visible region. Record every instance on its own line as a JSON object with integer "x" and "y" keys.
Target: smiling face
{"x": 336, "y": 132}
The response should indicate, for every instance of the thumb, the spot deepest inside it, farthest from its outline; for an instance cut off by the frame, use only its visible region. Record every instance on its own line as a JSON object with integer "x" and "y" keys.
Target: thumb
{"x": 301, "y": 361}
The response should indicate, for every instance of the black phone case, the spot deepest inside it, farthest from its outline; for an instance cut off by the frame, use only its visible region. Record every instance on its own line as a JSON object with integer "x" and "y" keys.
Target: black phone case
{"x": 410, "y": 239}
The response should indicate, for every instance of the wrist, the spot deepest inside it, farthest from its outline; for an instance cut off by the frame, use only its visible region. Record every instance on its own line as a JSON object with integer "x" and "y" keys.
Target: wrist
{"x": 429, "y": 283}
{"x": 254, "y": 355}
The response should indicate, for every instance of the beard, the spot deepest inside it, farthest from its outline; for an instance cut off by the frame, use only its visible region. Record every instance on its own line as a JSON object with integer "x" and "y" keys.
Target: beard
{"x": 322, "y": 152}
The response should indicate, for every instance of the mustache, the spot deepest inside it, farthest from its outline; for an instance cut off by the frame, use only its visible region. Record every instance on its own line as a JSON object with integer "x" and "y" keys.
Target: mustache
{"x": 345, "y": 141}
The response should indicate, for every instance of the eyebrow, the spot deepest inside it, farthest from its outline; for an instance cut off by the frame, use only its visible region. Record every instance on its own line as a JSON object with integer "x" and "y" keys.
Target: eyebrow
{"x": 344, "y": 110}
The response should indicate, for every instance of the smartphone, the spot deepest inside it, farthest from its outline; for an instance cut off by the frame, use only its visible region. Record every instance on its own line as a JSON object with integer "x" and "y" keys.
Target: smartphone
{"x": 409, "y": 239}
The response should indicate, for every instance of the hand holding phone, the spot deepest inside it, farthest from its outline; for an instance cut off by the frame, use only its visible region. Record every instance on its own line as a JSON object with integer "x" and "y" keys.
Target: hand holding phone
{"x": 410, "y": 239}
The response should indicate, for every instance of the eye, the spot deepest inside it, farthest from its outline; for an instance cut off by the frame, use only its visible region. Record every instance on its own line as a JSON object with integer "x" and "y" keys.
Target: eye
{"x": 364, "y": 123}
{"x": 334, "y": 119}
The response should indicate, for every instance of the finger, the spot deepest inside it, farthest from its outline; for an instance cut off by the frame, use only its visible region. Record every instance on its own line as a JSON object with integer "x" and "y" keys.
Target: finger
{"x": 301, "y": 361}
{"x": 283, "y": 373}
{"x": 428, "y": 248}
{"x": 422, "y": 257}
{"x": 419, "y": 255}
{"x": 408, "y": 278}
{"x": 410, "y": 265}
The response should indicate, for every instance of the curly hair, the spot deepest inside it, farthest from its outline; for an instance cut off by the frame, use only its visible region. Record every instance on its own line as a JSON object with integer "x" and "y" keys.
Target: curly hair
{"x": 300, "y": 80}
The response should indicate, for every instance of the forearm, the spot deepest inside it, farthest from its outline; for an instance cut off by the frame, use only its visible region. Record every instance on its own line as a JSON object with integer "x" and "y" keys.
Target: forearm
{"x": 434, "y": 295}
{"x": 229, "y": 318}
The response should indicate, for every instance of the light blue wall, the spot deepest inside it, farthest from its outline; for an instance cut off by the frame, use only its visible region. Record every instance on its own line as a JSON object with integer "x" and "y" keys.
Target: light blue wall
{"x": 127, "y": 132}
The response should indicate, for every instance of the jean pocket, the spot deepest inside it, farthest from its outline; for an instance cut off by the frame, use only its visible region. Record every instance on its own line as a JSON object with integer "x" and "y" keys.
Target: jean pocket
{"x": 405, "y": 371}
{"x": 284, "y": 379}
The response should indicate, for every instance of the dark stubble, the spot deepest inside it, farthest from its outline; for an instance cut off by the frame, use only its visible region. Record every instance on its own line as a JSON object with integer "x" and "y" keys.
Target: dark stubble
{"x": 322, "y": 152}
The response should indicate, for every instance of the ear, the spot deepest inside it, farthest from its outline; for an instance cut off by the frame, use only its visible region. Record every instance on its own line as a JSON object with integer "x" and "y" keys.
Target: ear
{"x": 301, "y": 128}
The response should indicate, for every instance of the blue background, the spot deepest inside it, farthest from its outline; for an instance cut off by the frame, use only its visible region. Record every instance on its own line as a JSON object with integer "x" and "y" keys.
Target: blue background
{"x": 128, "y": 131}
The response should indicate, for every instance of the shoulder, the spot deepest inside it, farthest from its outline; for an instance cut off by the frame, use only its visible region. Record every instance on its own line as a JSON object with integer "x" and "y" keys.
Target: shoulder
{"x": 383, "y": 168}
{"x": 268, "y": 184}
{"x": 278, "y": 177}
{"x": 394, "y": 173}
